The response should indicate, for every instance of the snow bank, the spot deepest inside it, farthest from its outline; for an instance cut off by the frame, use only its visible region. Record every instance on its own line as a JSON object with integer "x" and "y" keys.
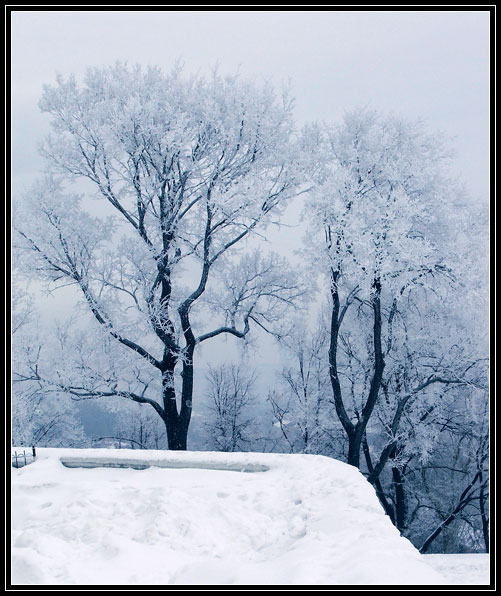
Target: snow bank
{"x": 302, "y": 520}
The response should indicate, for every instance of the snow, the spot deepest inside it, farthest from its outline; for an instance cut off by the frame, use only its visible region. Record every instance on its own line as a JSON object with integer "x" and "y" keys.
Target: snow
{"x": 461, "y": 569}
{"x": 211, "y": 518}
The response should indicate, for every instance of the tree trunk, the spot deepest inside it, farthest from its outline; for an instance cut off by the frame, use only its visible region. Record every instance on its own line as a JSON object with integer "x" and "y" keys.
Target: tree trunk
{"x": 400, "y": 504}
{"x": 175, "y": 424}
{"x": 484, "y": 517}
{"x": 356, "y": 435}
{"x": 177, "y": 434}
{"x": 354, "y": 444}
{"x": 387, "y": 506}
{"x": 176, "y": 421}
{"x": 347, "y": 424}
{"x": 187, "y": 392}
{"x": 355, "y": 432}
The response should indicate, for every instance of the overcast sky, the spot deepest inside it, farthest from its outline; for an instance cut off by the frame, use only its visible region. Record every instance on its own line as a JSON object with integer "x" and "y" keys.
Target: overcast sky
{"x": 426, "y": 64}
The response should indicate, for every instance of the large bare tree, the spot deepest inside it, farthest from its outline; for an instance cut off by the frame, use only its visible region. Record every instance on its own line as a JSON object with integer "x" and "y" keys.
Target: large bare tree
{"x": 189, "y": 168}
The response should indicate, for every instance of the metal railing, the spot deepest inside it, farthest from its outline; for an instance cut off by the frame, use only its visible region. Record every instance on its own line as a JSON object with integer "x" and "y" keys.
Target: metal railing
{"x": 19, "y": 460}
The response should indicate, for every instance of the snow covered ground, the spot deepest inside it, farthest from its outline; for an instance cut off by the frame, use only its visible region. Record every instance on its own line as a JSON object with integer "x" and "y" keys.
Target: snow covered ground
{"x": 262, "y": 519}
{"x": 472, "y": 569}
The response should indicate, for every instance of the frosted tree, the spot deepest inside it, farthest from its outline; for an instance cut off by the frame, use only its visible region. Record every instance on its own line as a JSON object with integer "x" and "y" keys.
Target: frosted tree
{"x": 229, "y": 421}
{"x": 434, "y": 396}
{"x": 450, "y": 497}
{"x": 174, "y": 175}
{"x": 400, "y": 255}
{"x": 40, "y": 416}
{"x": 300, "y": 402}
{"x": 429, "y": 344}
{"x": 136, "y": 426}
{"x": 375, "y": 215}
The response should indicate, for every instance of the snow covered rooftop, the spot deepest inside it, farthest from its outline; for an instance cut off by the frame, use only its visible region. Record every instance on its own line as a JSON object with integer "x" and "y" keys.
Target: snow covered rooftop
{"x": 192, "y": 518}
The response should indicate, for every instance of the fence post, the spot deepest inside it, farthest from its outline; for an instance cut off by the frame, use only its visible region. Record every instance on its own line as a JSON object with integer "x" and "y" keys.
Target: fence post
{"x": 24, "y": 453}
{"x": 15, "y": 455}
{"x": 34, "y": 452}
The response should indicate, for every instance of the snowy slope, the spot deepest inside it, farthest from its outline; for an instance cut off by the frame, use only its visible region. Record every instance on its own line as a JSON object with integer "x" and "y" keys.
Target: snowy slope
{"x": 295, "y": 519}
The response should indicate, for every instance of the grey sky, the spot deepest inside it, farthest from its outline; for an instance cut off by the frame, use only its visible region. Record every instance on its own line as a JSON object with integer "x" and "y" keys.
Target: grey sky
{"x": 426, "y": 64}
